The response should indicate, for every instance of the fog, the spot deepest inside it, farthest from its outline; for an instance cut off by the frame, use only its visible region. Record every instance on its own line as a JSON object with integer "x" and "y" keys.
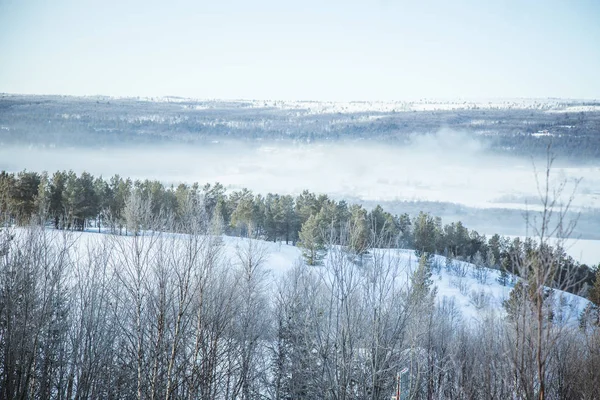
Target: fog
{"x": 446, "y": 167}
{"x": 448, "y": 174}
{"x": 486, "y": 192}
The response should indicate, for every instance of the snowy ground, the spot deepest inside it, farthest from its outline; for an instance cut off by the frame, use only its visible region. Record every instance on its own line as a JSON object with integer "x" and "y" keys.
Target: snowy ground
{"x": 472, "y": 297}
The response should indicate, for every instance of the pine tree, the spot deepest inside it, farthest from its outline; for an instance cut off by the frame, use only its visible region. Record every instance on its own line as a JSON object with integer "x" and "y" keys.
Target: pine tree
{"x": 88, "y": 203}
{"x": 594, "y": 294}
{"x": 69, "y": 198}
{"x": 424, "y": 234}
{"x": 517, "y": 300}
{"x": 306, "y": 205}
{"x": 57, "y": 207}
{"x": 42, "y": 199}
{"x": 23, "y": 195}
{"x": 243, "y": 212}
{"x": 121, "y": 190}
{"x": 384, "y": 227}
{"x": 7, "y": 183}
{"x": 358, "y": 230}
{"x": 311, "y": 241}
{"x": 522, "y": 301}
{"x": 422, "y": 291}
{"x": 285, "y": 218}
{"x": 591, "y": 313}
{"x": 212, "y": 196}
{"x": 104, "y": 195}
{"x": 182, "y": 198}
{"x": 269, "y": 218}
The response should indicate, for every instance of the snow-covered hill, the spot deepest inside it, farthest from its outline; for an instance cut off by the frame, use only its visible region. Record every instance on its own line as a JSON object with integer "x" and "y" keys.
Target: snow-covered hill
{"x": 474, "y": 293}
{"x": 237, "y": 309}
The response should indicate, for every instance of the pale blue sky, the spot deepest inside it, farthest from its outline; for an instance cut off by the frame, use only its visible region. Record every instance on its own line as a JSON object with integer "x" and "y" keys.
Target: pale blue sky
{"x": 310, "y": 49}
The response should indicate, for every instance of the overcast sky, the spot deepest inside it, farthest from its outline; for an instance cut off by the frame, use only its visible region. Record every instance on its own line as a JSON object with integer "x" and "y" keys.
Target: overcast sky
{"x": 309, "y": 49}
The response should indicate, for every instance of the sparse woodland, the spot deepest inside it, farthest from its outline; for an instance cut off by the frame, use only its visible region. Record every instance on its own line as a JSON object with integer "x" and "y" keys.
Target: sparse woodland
{"x": 153, "y": 309}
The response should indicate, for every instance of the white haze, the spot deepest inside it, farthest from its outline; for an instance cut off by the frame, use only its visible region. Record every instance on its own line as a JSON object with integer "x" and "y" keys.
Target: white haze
{"x": 447, "y": 167}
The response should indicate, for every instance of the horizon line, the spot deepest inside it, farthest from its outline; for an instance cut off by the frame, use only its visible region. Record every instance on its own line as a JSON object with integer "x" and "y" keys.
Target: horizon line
{"x": 224, "y": 99}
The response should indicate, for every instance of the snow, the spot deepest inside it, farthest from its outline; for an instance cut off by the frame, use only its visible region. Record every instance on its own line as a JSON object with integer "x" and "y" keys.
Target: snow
{"x": 576, "y": 109}
{"x": 542, "y": 134}
{"x": 331, "y": 107}
{"x": 473, "y": 298}
{"x": 317, "y": 107}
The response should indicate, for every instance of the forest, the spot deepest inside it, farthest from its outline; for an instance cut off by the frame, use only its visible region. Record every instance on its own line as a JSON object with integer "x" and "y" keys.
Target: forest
{"x": 75, "y": 202}
{"x": 156, "y": 308}
{"x": 512, "y": 128}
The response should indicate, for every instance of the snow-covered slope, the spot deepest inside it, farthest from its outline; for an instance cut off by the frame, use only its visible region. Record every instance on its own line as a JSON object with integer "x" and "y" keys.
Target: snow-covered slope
{"x": 474, "y": 295}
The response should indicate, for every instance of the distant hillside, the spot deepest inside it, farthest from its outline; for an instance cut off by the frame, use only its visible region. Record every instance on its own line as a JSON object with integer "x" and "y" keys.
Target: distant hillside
{"x": 509, "y": 127}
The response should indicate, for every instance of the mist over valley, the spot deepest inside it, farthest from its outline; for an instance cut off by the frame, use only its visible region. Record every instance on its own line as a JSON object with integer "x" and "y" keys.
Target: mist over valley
{"x": 316, "y": 200}
{"x": 470, "y": 161}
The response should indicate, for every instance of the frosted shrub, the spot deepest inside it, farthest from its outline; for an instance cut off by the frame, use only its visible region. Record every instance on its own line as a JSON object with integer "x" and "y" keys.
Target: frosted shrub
{"x": 460, "y": 284}
{"x": 459, "y": 269}
{"x": 479, "y": 299}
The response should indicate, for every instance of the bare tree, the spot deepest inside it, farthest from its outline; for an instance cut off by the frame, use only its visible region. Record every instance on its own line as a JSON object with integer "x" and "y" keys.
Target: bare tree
{"x": 252, "y": 325}
{"x": 132, "y": 268}
{"x": 535, "y": 331}
{"x": 33, "y": 312}
{"x": 387, "y": 314}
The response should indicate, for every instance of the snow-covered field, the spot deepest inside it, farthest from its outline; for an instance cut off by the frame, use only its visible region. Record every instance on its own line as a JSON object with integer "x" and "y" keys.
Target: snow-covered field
{"x": 473, "y": 297}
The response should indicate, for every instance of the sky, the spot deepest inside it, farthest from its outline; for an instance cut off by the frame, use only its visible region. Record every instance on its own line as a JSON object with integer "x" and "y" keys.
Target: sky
{"x": 302, "y": 50}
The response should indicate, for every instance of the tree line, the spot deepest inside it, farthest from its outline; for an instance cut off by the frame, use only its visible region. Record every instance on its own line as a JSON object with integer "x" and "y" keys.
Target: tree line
{"x": 75, "y": 202}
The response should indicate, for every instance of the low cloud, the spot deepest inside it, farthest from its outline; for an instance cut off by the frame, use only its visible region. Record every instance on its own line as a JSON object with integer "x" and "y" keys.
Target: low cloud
{"x": 448, "y": 166}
